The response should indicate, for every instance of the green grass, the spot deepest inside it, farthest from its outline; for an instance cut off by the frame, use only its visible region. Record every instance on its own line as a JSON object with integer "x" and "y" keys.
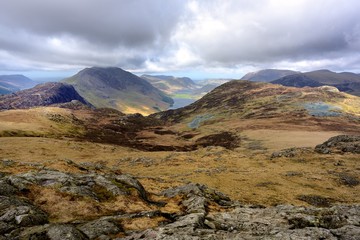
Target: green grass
{"x": 184, "y": 95}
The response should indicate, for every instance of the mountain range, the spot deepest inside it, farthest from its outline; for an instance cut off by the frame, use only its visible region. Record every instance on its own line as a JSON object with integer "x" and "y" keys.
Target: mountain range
{"x": 345, "y": 81}
{"x": 267, "y": 75}
{"x": 115, "y": 88}
{"x": 247, "y": 160}
{"x": 13, "y": 83}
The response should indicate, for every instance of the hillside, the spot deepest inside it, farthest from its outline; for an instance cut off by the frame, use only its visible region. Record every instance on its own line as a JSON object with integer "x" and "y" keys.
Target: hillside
{"x": 345, "y": 81}
{"x": 170, "y": 84}
{"x": 262, "y": 100}
{"x": 115, "y": 88}
{"x": 13, "y": 83}
{"x": 245, "y": 154}
{"x": 267, "y": 75}
{"x": 41, "y": 95}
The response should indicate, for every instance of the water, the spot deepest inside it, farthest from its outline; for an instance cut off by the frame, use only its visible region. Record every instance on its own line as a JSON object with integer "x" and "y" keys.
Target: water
{"x": 321, "y": 109}
{"x": 181, "y": 102}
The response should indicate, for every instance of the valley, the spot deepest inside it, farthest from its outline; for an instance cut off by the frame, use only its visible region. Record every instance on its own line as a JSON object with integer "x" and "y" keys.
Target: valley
{"x": 244, "y": 149}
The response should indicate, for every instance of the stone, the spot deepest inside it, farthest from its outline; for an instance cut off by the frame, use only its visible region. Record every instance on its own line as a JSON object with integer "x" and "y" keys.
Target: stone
{"x": 6, "y": 189}
{"x": 341, "y": 143}
{"x": 348, "y": 232}
{"x": 99, "y": 227}
{"x": 192, "y": 220}
{"x": 64, "y": 232}
{"x": 20, "y": 213}
{"x": 132, "y": 182}
{"x": 6, "y": 227}
{"x": 195, "y": 204}
{"x": 305, "y": 234}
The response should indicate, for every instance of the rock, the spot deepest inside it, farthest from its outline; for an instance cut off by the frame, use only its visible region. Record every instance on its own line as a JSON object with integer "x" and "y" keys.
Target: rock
{"x": 195, "y": 189}
{"x": 349, "y": 232}
{"x": 305, "y": 234}
{"x": 6, "y": 189}
{"x": 290, "y": 152}
{"x": 6, "y": 227}
{"x": 316, "y": 200}
{"x": 20, "y": 213}
{"x": 195, "y": 204}
{"x": 341, "y": 143}
{"x": 108, "y": 184}
{"x": 132, "y": 182}
{"x": 348, "y": 180}
{"x": 91, "y": 185}
{"x": 193, "y": 220}
{"x": 64, "y": 232}
{"x": 33, "y": 233}
{"x": 100, "y": 227}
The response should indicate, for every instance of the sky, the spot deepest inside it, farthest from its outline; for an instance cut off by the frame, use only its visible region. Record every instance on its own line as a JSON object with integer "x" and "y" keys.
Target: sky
{"x": 195, "y": 38}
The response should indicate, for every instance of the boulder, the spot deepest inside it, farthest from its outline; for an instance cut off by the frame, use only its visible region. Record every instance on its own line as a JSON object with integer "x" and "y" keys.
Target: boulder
{"x": 97, "y": 228}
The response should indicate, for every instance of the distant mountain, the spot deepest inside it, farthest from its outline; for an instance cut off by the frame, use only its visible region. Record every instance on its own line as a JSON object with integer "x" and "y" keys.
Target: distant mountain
{"x": 13, "y": 83}
{"x": 41, "y": 95}
{"x": 115, "y": 88}
{"x": 170, "y": 84}
{"x": 6, "y": 88}
{"x": 213, "y": 81}
{"x": 267, "y": 75}
{"x": 297, "y": 80}
{"x": 345, "y": 81}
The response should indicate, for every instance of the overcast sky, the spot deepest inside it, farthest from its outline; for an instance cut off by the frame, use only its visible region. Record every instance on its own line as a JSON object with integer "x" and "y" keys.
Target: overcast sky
{"x": 197, "y": 38}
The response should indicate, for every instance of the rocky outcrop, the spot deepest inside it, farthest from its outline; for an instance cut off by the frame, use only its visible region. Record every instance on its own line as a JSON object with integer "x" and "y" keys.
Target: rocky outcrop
{"x": 280, "y": 222}
{"x": 340, "y": 144}
{"x": 41, "y": 95}
{"x": 204, "y": 212}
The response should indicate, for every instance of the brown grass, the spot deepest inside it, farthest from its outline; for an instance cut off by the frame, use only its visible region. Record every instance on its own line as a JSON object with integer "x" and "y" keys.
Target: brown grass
{"x": 238, "y": 173}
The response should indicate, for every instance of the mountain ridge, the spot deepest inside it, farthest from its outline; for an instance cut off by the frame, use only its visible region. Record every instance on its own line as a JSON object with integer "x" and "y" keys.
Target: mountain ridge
{"x": 44, "y": 94}
{"x": 118, "y": 89}
{"x": 15, "y": 82}
{"x": 267, "y": 75}
{"x": 344, "y": 81}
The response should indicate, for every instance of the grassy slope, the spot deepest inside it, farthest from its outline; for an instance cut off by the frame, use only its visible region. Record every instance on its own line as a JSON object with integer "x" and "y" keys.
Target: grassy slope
{"x": 265, "y": 124}
{"x": 100, "y": 92}
{"x": 246, "y": 174}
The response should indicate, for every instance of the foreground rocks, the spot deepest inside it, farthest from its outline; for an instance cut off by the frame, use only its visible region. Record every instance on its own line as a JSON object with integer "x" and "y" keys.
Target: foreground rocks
{"x": 204, "y": 213}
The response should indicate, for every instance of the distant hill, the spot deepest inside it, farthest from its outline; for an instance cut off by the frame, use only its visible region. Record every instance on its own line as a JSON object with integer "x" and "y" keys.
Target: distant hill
{"x": 41, "y": 95}
{"x": 213, "y": 81}
{"x": 13, "y": 83}
{"x": 345, "y": 81}
{"x": 267, "y": 75}
{"x": 115, "y": 88}
{"x": 170, "y": 84}
{"x": 238, "y": 103}
{"x": 6, "y": 88}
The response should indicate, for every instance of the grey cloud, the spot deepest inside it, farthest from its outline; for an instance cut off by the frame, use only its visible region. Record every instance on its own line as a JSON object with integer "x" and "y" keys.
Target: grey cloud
{"x": 106, "y": 22}
{"x": 179, "y": 34}
{"x": 275, "y": 30}
{"x": 95, "y": 32}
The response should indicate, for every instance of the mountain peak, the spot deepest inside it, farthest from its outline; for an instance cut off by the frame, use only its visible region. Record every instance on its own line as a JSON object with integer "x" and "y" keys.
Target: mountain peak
{"x": 267, "y": 75}
{"x": 116, "y": 88}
